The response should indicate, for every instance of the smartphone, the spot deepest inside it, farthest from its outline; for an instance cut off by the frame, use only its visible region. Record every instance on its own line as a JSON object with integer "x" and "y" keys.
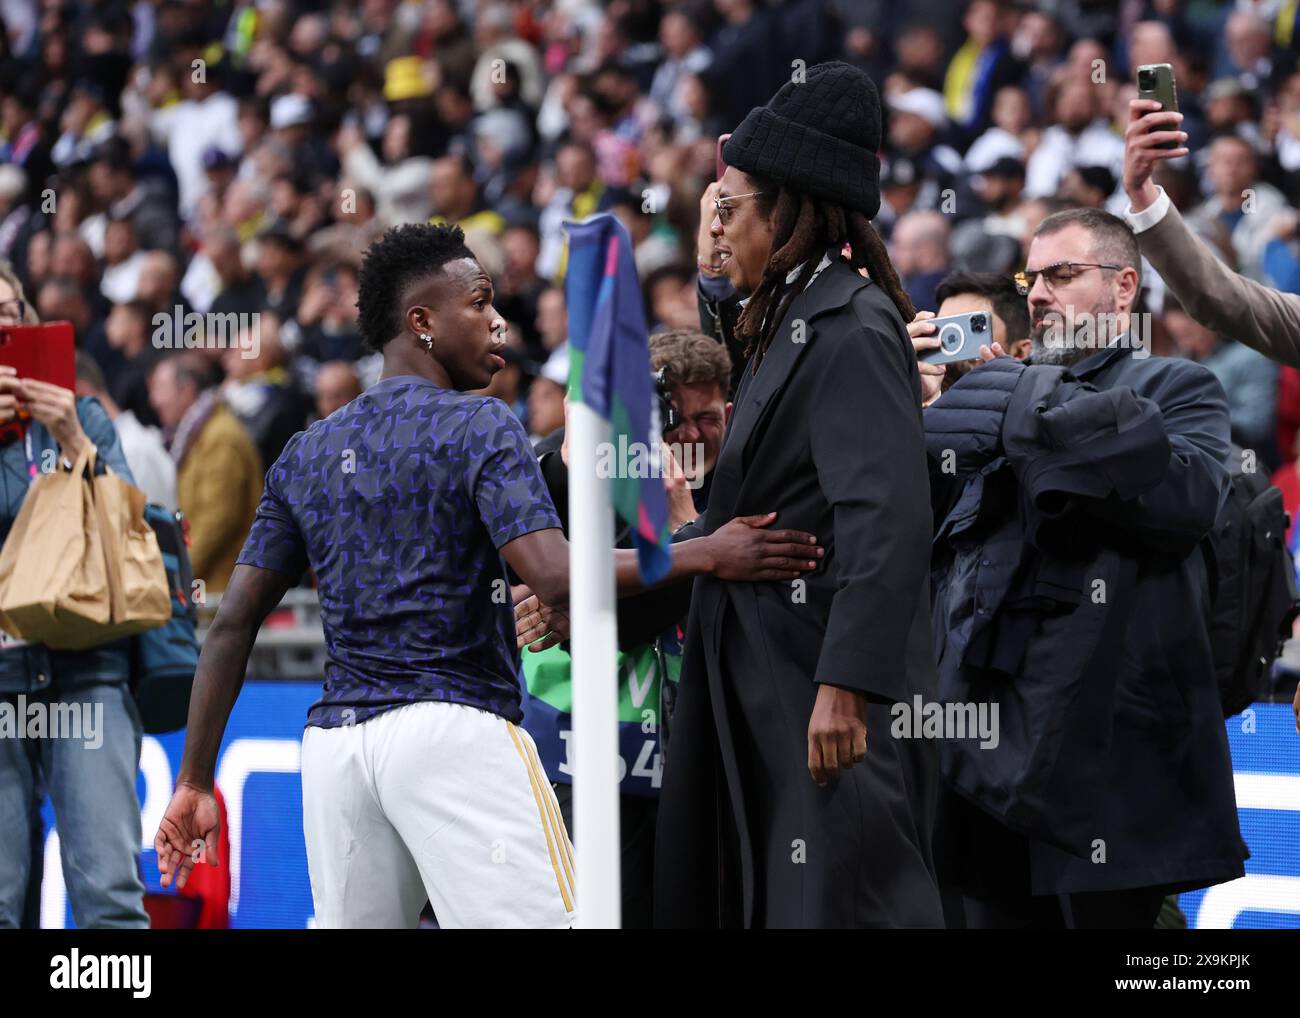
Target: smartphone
{"x": 721, "y": 167}
{"x": 1156, "y": 81}
{"x": 960, "y": 337}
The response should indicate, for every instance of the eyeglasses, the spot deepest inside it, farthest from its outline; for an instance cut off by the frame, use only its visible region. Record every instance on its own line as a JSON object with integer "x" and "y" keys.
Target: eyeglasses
{"x": 15, "y": 308}
{"x": 725, "y": 211}
{"x": 1060, "y": 274}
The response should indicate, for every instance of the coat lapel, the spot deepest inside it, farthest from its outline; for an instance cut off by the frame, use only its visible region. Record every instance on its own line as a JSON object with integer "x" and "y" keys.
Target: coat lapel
{"x": 830, "y": 291}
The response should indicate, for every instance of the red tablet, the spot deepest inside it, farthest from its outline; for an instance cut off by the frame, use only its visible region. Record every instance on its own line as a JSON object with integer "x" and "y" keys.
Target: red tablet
{"x": 44, "y": 352}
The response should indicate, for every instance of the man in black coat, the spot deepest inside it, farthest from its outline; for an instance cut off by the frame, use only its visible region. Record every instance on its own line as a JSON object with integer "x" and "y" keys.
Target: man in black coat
{"x": 785, "y": 802}
{"x": 1071, "y": 591}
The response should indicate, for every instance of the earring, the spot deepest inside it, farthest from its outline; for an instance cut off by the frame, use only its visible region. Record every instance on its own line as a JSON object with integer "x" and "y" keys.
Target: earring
{"x": 427, "y": 340}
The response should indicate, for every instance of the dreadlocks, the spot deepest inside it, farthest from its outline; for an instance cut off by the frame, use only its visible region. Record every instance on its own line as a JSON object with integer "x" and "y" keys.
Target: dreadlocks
{"x": 804, "y": 228}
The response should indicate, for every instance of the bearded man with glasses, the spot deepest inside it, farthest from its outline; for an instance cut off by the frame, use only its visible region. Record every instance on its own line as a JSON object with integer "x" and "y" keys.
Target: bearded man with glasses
{"x": 1072, "y": 495}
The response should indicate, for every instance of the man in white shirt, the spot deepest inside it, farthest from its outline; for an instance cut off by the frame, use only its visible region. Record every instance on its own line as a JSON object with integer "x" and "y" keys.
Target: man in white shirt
{"x": 1078, "y": 138}
{"x": 154, "y": 471}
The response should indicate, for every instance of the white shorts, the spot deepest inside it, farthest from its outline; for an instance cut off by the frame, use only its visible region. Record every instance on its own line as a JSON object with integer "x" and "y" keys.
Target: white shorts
{"x": 438, "y": 801}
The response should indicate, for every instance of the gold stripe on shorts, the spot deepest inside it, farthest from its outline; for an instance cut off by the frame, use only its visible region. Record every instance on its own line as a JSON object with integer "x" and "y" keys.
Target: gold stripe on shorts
{"x": 557, "y": 821}
{"x": 560, "y": 880}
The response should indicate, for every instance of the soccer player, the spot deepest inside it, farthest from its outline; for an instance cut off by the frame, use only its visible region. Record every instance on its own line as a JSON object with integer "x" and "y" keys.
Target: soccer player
{"x": 417, "y": 781}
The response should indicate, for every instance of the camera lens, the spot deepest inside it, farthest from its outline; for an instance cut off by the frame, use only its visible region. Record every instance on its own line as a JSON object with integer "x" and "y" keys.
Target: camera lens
{"x": 978, "y": 323}
{"x": 1146, "y": 80}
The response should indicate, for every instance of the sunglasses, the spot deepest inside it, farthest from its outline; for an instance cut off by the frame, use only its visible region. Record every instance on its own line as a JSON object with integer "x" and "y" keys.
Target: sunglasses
{"x": 1059, "y": 274}
{"x": 725, "y": 212}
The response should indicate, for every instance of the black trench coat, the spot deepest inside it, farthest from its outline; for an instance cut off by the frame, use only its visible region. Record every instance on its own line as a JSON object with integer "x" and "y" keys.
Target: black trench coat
{"x": 828, "y": 434}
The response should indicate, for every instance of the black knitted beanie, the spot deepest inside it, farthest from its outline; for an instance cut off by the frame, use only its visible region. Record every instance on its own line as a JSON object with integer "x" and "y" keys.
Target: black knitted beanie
{"x": 819, "y": 135}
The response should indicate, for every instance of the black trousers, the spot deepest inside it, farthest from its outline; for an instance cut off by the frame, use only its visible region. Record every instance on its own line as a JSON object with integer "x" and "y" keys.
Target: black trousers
{"x": 636, "y": 825}
{"x": 984, "y": 882}
{"x": 1134, "y": 909}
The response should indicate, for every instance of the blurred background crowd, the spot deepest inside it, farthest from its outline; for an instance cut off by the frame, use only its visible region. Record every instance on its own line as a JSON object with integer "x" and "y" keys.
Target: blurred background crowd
{"x": 171, "y": 157}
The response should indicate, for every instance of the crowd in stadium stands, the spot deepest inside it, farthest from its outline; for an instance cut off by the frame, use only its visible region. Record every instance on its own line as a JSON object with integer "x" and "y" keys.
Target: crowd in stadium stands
{"x": 193, "y": 185}
{"x": 165, "y": 158}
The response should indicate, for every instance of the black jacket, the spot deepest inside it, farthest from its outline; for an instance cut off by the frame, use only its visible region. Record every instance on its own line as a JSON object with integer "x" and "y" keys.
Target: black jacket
{"x": 1069, "y": 589}
{"x": 828, "y": 434}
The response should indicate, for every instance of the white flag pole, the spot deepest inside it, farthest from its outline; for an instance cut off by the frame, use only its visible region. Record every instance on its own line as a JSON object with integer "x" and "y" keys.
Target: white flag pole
{"x": 594, "y": 642}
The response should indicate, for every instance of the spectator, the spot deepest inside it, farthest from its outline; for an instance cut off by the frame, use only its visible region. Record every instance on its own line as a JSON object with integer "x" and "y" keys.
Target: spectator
{"x": 205, "y": 117}
{"x": 14, "y": 306}
{"x": 159, "y": 280}
{"x": 1005, "y": 139}
{"x": 1088, "y": 186}
{"x": 743, "y": 74}
{"x": 1241, "y": 203}
{"x": 1215, "y": 296}
{"x": 1078, "y": 134}
{"x": 123, "y": 262}
{"x": 1247, "y": 50}
{"x": 1138, "y": 667}
{"x": 963, "y": 293}
{"x": 698, "y": 372}
{"x": 356, "y": 226}
{"x": 337, "y": 385}
{"x": 142, "y": 445}
{"x": 546, "y": 395}
{"x": 518, "y": 287}
{"x": 148, "y": 205}
{"x": 1039, "y": 42}
{"x": 999, "y": 189}
{"x": 86, "y": 123}
{"x": 326, "y": 326}
{"x": 130, "y": 330}
{"x": 684, "y": 53}
{"x": 218, "y": 471}
{"x": 552, "y": 319}
{"x": 670, "y": 298}
{"x": 238, "y": 290}
{"x": 916, "y": 123}
{"x": 400, "y": 180}
{"x": 259, "y": 389}
{"x": 456, "y": 198}
{"x": 280, "y": 268}
{"x": 1249, "y": 379}
{"x": 919, "y": 249}
{"x": 579, "y": 194}
{"x": 91, "y": 778}
{"x": 982, "y": 66}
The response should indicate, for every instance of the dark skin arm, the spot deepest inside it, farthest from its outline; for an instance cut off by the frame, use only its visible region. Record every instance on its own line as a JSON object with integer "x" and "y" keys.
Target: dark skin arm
{"x": 191, "y": 819}
{"x": 742, "y": 550}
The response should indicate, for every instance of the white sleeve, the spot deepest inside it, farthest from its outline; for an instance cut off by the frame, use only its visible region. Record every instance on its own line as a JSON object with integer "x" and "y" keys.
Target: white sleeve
{"x": 1149, "y": 216}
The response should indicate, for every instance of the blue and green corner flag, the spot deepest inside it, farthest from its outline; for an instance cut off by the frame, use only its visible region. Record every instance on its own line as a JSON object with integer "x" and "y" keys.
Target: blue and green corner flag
{"x": 609, "y": 371}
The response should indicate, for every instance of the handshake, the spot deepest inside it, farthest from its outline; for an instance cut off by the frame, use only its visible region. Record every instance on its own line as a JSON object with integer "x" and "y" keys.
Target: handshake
{"x": 742, "y": 550}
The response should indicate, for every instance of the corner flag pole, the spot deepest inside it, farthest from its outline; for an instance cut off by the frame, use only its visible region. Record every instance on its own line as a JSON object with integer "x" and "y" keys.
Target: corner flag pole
{"x": 610, "y": 392}
{"x": 594, "y": 644}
